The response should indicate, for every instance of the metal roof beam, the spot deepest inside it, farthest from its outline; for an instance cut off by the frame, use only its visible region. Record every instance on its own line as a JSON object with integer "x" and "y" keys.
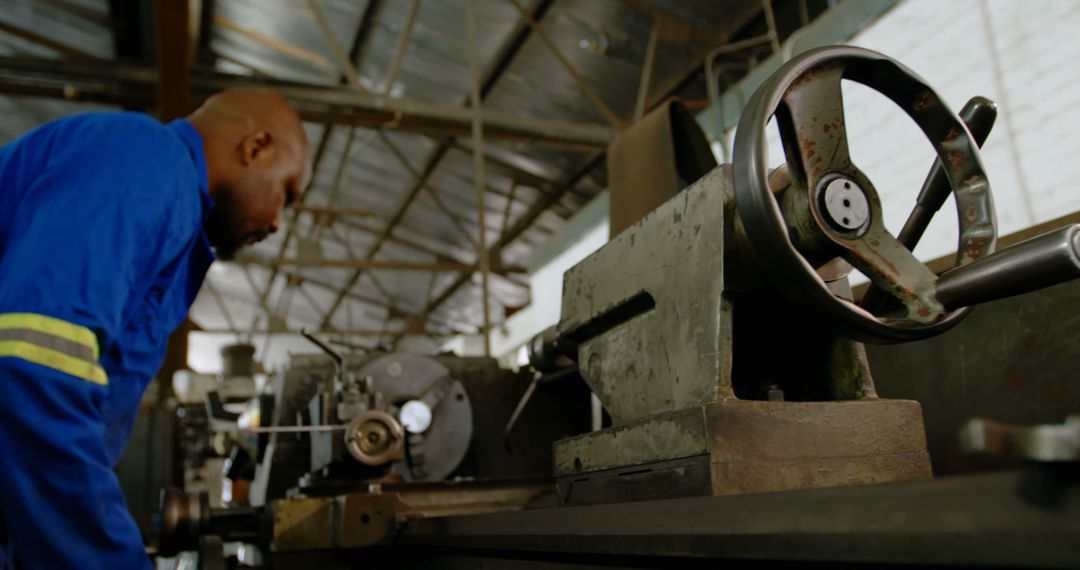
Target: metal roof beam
{"x": 110, "y": 83}
{"x": 43, "y": 41}
{"x": 490, "y": 76}
{"x": 515, "y": 230}
{"x": 353, "y": 264}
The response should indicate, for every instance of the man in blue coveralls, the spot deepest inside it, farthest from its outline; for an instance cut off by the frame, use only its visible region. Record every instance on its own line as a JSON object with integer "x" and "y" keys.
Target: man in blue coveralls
{"x": 108, "y": 223}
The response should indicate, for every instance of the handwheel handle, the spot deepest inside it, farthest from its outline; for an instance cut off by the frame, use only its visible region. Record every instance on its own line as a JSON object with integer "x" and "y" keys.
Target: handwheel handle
{"x": 1042, "y": 261}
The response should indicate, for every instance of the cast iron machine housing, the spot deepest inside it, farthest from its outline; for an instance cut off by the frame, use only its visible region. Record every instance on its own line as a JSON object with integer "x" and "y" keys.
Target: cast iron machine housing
{"x": 720, "y": 332}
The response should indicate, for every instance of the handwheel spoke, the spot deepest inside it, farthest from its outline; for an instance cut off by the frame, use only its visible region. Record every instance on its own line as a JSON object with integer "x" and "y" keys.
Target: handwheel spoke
{"x": 812, "y": 128}
{"x": 895, "y": 270}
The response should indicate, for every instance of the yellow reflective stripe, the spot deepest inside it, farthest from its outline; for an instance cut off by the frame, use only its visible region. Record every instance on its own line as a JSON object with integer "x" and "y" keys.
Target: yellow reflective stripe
{"x": 63, "y": 329}
{"x": 89, "y": 371}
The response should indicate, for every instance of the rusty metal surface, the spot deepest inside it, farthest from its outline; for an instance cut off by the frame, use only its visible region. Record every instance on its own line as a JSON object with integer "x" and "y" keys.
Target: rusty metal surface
{"x": 647, "y": 310}
{"x": 978, "y": 114}
{"x": 805, "y": 97}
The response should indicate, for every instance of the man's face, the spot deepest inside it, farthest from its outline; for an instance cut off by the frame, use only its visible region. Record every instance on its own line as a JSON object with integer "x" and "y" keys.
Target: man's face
{"x": 247, "y": 207}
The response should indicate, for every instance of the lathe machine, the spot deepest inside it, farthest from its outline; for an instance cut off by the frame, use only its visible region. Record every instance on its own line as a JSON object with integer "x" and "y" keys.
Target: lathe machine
{"x": 726, "y": 345}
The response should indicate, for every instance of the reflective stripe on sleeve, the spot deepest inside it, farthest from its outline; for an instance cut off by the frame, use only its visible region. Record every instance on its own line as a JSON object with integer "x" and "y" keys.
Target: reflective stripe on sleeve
{"x": 49, "y": 325}
{"x": 53, "y": 343}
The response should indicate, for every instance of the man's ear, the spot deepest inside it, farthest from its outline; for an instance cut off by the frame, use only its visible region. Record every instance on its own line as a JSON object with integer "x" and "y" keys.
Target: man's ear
{"x": 257, "y": 147}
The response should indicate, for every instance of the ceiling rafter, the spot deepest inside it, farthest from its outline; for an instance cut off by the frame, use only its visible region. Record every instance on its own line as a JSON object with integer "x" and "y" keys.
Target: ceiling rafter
{"x": 549, "y": 199}
{"x": 491, "y": 75}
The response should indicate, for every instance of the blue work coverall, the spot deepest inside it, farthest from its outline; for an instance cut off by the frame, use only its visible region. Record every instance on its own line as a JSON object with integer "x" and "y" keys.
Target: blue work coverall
{"x": 102, "y": 251}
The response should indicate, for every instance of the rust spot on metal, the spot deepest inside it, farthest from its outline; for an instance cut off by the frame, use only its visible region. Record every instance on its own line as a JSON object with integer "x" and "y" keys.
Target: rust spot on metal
{"x": 1015, "y": 380}
{"x": 923, "y": 101}
{"x": 923, "y": 311}
{"x": 955, "y": 158}
{"x": 826, "y": 127}
{"x": 953, "y": 133}
{"x": 1031, "y": 341}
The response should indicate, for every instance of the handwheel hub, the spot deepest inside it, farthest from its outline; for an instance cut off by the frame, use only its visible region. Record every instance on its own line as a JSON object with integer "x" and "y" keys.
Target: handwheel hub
{"x": 845, "y": 206}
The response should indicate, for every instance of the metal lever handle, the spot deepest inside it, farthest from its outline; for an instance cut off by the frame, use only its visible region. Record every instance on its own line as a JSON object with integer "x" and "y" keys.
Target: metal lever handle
{"x": 1039, "y": 262}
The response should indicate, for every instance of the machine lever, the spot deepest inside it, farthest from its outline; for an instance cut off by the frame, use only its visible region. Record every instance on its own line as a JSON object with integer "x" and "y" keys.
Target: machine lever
{"x": 1042, "y": 261}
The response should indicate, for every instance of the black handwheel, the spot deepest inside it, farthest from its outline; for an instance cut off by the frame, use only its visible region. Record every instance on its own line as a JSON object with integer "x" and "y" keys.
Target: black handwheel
{"x": 831, "y": 209}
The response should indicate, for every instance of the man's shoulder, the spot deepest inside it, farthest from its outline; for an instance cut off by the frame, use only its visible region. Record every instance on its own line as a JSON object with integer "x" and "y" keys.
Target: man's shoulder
{"x": 138, "y": 144}
{"x": 126, "y": 155}
{"x": 141, "y": 131}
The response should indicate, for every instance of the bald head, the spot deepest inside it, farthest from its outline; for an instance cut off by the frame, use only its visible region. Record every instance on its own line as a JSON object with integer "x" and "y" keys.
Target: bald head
{"x": 235, "y": 113}
{"x": 257, "y": 161}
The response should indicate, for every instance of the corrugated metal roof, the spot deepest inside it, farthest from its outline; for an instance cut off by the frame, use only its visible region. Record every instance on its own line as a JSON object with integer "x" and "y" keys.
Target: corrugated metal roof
{"x": 604, "y": 40}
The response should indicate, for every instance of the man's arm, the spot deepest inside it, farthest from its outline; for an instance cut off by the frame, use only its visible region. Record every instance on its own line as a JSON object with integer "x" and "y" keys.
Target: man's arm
{"x": 87, "y": 233}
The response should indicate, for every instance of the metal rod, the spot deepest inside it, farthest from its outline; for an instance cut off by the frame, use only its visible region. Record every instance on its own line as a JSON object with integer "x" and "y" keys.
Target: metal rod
{"x": 506, "y": 54}
{"x": 516, "y": 229}
{"x": 273, "y": 43}
{"x": 427, "y": 187}
{"x": 770, "y": 21}
{"x": 294, "y": 429}
{"x": 334, "y": 211}
{"x": 347, "y": 68}
{"x": 320, "y": 152}
{"x": 712, "y": 87}
{"x": 277, "y": 331}
{"x": 454, "y": 219}
{"x": 43, "y": 41}
{"x": 478, "y": 166}
{"x": 316, "y": 229}
{"x": 399, "y": 49}
{"x": 262, "y": 304}
{"x": 308, "y": 297}
{"x": 1039, "y": 262}
{"x": 66, "y": 79}
{"x": 367, "y": 263}
{"x": 384, "y": 234}
{"x": 590, "y": 93}
{"x": 684, "y": 27}
{"x": 647, "y": 70}
{"x": 506, "y": 211}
